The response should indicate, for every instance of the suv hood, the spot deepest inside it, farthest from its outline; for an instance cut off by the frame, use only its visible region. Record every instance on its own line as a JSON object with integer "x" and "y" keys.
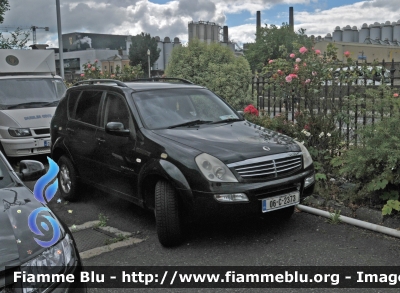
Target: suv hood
{"x": 17, "y": 244}
{"x": 232, "y": 142}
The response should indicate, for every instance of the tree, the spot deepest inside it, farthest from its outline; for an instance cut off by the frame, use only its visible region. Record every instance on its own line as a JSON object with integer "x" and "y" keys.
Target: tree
{"x": 4, "y": 6}
{"x": 214, "y": 67}
{"x": 138, "y": 50}
{"x": 18, "y": 40}
{"x": 270, "y": 41}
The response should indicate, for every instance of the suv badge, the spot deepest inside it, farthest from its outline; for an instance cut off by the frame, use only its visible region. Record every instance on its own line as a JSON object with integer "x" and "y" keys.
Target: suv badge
{"x": 265, "y": 148}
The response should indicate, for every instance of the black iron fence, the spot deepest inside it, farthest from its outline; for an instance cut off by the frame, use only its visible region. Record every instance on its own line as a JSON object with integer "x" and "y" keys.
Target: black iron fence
{"x": 350, "y": 100}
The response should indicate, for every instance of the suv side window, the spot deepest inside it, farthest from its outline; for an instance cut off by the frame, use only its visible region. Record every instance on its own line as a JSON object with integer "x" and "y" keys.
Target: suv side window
{"x": 88, "y": 107}
{"x": 72, "y": 99}
{"x": 116, "y": 110}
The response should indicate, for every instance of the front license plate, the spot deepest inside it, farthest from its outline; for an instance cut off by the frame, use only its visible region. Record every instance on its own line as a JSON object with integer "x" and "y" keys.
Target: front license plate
{"x": 47, "y": 143}
{"x": 281, "y": 201}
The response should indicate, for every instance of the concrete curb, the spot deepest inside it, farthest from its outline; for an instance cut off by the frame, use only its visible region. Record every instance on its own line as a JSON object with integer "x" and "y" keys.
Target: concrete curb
{"x": 361, "y": 213}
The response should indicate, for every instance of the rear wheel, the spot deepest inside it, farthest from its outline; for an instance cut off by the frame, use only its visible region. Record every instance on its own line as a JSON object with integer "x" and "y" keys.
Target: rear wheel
{"x": 67, "y": 179}
{"x": 168, "y": 215}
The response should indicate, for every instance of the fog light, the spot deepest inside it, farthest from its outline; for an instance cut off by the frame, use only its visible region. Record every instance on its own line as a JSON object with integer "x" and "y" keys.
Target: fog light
{"x": 233, "y": 197}
{"x": 309, "y": 180}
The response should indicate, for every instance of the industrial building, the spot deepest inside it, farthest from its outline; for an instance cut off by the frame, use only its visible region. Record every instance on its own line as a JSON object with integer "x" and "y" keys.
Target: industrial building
{"x": 373, "y": 42}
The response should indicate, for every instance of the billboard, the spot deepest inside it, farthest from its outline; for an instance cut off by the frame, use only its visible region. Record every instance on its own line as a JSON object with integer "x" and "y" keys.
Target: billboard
{"x": 83, "y": 41}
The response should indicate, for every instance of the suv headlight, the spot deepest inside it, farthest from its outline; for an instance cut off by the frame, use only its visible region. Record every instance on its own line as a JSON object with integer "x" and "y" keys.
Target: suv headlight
{"x": 306, "y": 155}
{"x": 213, "y": 169}
{"x": 54, "y": 260}
{"x": 19, "y": 132}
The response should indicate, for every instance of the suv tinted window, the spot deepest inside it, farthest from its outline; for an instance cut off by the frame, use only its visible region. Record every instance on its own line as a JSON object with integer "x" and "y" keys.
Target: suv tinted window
{"x": 88, "y": 107}
{"x": 72, "y": 99}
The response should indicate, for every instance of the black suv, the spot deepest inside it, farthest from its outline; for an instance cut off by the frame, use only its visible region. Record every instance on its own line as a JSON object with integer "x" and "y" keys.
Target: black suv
{"x": 176, "y": 148}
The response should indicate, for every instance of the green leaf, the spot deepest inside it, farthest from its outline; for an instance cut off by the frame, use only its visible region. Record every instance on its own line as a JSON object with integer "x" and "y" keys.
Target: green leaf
{"x": 394, "y": 204}
{"x": 320, "y": 176}
{"x": 386, "y": 210}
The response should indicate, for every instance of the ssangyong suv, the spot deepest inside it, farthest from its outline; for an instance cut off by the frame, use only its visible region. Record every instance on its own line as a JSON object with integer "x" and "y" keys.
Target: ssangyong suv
{"x": 175, "y": 148}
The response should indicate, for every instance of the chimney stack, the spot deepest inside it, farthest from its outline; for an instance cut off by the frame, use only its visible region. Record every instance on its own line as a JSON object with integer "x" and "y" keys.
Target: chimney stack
{"x": 225, "y": 34}
{"x": 291, "y": 20}
{"x": 258, "y": 20}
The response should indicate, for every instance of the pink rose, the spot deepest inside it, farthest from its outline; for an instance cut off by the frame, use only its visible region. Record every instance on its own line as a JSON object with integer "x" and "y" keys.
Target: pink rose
{"x": 347, "y": 53}
{"x": 296, "y": 68}
{"x": 314, "y": 73}
{"x": 96, "y": 60}
{"x": 101, "y": 72}
{"x": 317, "y": 52}
{"x": 288, "y": 78}
{"x": 303, "y": 50}
{"x": 396, "y": 95}
{"x": 271, "y": 61}
{"x": 89, "y": 65}
{"x": 251, "y": 109}
{"x": 292, "y": 75}
{"x": 280, "y": 72}
{"x": 292, "y": 55}
{"x": 304, "y": 64}
{"x": 298, "y": 60}
{"x": 307, "y": 81}
{"x": 82, "y": 74}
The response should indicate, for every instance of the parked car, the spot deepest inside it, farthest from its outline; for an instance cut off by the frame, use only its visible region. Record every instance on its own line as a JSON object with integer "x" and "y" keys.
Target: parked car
{"x": 176, "y": 148}
{"x": 19, "y": 251}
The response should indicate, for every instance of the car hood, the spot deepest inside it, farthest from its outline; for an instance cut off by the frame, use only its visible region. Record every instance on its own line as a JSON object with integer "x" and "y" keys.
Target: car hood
{"x": 17, "y": 244}
{"x": 232, "y": 142}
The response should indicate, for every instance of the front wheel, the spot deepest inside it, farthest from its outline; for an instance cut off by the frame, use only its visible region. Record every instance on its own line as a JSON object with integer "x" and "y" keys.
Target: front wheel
{"x": 67, "y": 179}
{"x": 168, "y": 215}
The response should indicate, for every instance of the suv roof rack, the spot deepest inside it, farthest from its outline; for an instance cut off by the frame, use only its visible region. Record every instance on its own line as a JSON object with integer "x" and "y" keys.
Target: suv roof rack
{"x": 162, "y": 79}
{"x": 93, "y": 81}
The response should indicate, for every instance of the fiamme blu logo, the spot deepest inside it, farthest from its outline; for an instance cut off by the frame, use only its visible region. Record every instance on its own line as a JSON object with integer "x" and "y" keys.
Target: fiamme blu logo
{"x": 44, "y": 191}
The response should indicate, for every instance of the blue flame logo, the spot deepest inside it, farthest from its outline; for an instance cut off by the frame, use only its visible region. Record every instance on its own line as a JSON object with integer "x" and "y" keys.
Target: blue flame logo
{"x": 44, "y": 195}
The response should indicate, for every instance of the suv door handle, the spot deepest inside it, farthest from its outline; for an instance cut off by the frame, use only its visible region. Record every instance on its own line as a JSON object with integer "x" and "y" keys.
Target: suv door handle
{"x": 99, "y": 139}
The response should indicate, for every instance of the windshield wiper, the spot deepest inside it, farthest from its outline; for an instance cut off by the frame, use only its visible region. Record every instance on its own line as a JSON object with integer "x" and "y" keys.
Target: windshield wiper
{"x": 25, "y": 104}
{"x": 190, "y": 123}
{"x": 227, "y": 120}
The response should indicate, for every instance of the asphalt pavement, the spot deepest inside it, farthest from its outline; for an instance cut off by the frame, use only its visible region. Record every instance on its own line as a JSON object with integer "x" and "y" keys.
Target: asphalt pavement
{"x": 304, "y": 240}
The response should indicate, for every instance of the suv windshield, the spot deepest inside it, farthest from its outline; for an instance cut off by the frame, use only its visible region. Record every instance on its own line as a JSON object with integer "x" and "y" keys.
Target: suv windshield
{"x": 179, "y": 107}
{"x": 30, "y": 92}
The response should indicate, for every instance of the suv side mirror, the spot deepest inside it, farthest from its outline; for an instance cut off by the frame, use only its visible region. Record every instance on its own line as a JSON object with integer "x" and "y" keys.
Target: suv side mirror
{"x": 117, "y": 128}
{"x": 30, "y": 170}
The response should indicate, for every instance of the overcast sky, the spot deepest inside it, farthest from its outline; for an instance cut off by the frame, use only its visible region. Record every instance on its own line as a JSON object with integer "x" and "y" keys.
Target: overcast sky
{"x": 170, "y": 18}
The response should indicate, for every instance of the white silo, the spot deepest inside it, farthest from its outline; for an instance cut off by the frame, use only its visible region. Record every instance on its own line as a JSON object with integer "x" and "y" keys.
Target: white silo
{"x": 347, "y": 34}
{"x": 160, "y": 61}
{"x": 208, "y": 36}
{"x": 355, "y": 34}
{"x": 201, "y": 31}
{"x": 396, "y": 31}
{"x": 337, "y": 34}
{"x": 328, "y": 37}
{"x": 215, "y": 33}
{"x": 168, "y": 46}
{"x": 375, "y": 31}
{"x": 364, "y": 33}
{"x": 387, "y": 31}
{"x": 192, "y": 30}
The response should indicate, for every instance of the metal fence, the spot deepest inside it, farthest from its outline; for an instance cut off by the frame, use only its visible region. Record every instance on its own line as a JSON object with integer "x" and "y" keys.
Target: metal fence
{"x": 349, "y": 101}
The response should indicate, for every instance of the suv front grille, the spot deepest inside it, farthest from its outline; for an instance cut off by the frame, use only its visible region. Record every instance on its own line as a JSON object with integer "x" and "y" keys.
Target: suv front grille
{"x": 269, "y": 166}
{"x": 42, "y": 131}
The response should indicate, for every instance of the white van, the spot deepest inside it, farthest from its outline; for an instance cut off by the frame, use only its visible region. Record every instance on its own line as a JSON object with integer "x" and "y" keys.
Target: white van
{"x": 29, "y": 94}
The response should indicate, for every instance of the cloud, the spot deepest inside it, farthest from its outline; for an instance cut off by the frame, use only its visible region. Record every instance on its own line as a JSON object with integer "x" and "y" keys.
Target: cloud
{"x": 172, "y": 17}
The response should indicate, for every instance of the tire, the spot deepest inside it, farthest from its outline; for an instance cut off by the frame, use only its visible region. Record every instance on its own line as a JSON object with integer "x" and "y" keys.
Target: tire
{"x": 67, "y": 179}
{"x": 168, "y": 215}
{"x": 284, "y": 214}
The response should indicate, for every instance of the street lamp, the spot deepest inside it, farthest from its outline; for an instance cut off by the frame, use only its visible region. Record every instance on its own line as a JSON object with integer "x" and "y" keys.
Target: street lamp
{"x": 148, "y": 59}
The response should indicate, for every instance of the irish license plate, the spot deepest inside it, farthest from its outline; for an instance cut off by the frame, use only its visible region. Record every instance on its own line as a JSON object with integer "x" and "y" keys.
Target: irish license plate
{"x": 47, "y": 143}
{"x": 281, "y": 201}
